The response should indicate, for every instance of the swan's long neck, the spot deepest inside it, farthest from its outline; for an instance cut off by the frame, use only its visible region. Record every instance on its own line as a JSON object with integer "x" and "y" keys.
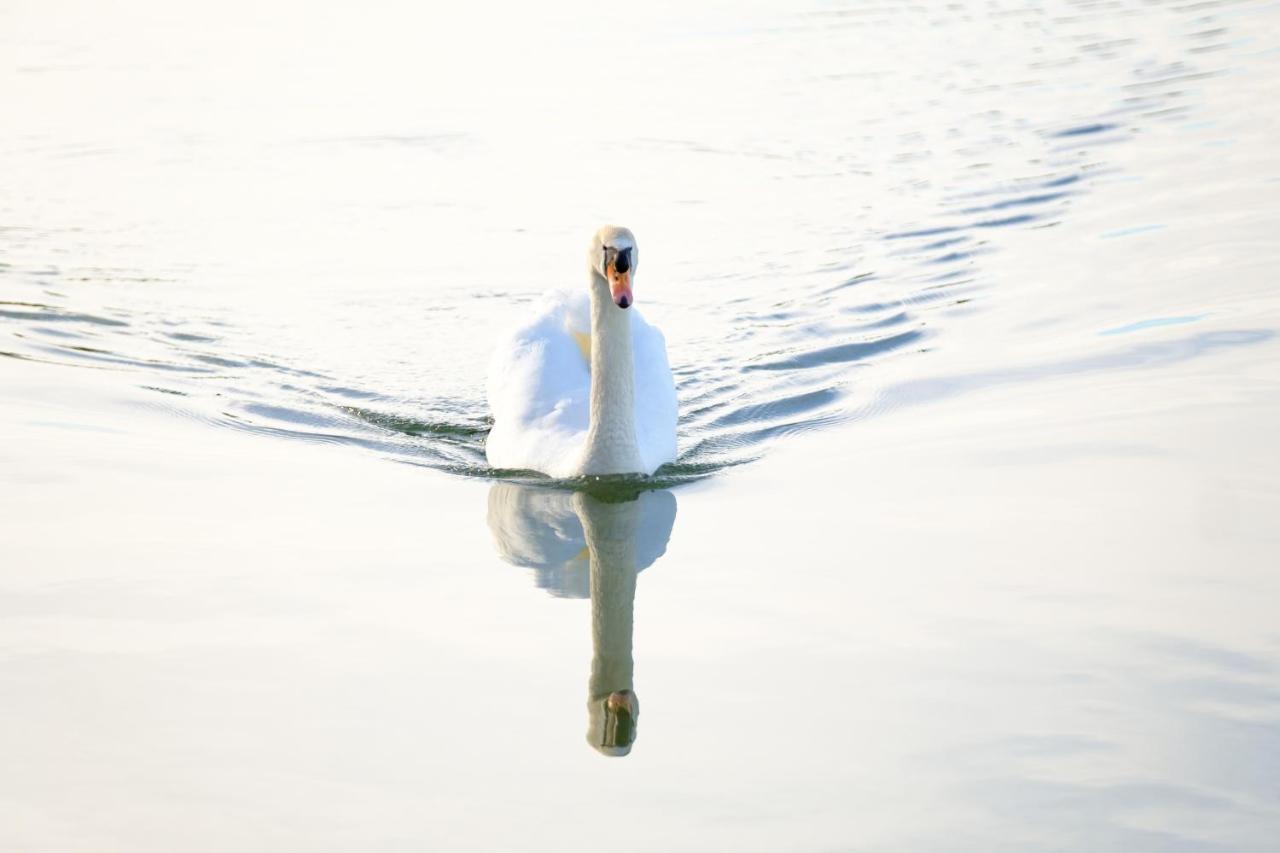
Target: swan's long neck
{"x": 611, "y": 543}
{"x": 611, "y": 438}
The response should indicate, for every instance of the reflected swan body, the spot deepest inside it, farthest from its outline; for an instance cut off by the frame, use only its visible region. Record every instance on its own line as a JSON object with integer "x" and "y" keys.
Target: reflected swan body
{"x": 583, "y": 386}
{"x": 581, "y": 541}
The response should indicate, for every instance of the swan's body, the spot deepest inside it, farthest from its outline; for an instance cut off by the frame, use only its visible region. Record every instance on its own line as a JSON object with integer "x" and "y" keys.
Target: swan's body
{"x": 583, "y": 387}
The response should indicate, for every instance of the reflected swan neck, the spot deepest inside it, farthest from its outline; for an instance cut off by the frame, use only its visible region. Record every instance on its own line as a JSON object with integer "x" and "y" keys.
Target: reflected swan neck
{"x": 611, "y": 531}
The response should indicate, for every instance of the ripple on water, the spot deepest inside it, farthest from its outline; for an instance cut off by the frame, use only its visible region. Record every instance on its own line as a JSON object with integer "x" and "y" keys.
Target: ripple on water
{"x": 820, "y": 356}
{"x": 765, "y": 367}
{"x": 52, "y": 314}
{"x": 778, "y": 368}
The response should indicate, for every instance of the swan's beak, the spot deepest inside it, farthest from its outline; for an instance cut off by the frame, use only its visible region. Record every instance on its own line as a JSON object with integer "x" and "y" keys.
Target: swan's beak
{"x": 620, "y": 278}
{"x": 620, "y": 288}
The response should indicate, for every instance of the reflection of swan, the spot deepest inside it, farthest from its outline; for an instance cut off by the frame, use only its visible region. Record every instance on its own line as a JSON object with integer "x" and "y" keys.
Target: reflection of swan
{"x": 584, "y": 386}
{"x": 623, "y": 534}
{"x": 540, "y": 529}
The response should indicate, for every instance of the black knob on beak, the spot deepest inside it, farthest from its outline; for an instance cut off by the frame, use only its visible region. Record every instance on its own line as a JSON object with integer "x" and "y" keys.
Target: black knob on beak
{"x": 623, "y": 263}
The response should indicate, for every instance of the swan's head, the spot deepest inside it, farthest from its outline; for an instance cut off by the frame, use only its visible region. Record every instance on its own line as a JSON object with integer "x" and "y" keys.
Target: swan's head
{"x": 611, "y": 724}
{"x": 614, "y": 257}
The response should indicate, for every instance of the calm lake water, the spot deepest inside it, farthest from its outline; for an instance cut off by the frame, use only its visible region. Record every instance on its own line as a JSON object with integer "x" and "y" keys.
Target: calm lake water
{"x": 972, "y": 541}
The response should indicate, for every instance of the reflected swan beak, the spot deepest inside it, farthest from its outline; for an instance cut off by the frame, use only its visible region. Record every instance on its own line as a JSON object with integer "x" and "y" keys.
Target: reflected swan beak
{"x": 622, "y": 700}
{"x": 613, "y": 734}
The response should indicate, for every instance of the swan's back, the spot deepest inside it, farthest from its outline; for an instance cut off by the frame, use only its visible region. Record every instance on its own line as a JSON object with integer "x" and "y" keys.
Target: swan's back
{"x": 540, "y": 388}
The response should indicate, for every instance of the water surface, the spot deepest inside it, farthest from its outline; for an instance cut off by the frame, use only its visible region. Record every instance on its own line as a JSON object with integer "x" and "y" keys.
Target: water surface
{"x": 970, "y": 542}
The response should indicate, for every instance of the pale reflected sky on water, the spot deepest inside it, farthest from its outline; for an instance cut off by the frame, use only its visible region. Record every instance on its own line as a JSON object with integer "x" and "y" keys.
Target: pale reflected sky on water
{"x": 973, "y": 315}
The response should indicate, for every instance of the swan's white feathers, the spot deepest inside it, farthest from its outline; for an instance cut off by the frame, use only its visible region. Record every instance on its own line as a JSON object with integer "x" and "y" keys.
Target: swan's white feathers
{"x": 539, "y": 391}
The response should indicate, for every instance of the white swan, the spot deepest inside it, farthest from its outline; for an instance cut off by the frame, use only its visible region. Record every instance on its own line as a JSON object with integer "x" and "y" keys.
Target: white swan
{"x": 584, "y": 386}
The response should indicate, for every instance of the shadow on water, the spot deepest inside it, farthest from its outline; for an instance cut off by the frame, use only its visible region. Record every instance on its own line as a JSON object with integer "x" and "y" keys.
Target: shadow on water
{"x": 591, "y": 543}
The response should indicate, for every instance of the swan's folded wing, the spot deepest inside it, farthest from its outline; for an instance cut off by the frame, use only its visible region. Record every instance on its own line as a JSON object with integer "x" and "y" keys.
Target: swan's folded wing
{"x": 538, "y": 389}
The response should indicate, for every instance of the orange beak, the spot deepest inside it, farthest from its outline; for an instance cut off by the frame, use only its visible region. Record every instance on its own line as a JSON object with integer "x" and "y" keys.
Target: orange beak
{"x": 620, "y": 288}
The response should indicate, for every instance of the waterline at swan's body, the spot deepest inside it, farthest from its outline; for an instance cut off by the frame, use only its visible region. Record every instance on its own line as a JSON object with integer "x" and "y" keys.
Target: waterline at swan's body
{"x": 567, "y": 409}
{"x": 540, "y": 392}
